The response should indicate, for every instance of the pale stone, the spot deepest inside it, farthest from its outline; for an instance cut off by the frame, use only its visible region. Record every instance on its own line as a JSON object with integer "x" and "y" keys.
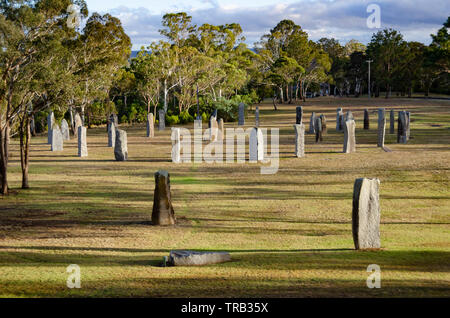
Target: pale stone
{"x": 213, "y": 129}
{"x": 65, "y": 130}
{"x": 221, "y": 129}
{"x": 299, "y": 140}
{"x": 241, "y": 114}
{"x": 163, "y": 213}
{"x": 162, "y": 120}
{"x": 56, "y": 138}
{"x": 312, "y": 123}
{"x": 299, "y": 115}
{"x": 366, "y": 214}
{"x": 381, "y": 126}
{"x": 349, "y": 137}
{"x": 78, "y": 123}
{"x": 82, "y": 143}
{"x": 50, "y": 124}
{"x": 408, "y": 125}
{"x": 256, "y": 145}
{"x": 191, "y": 258}
{"x": 176, "y": 145}
{"x": 366, "y": 119}
{"x": 349, "y": 116}
{"x": 150, "y": 126}
{"x": 392, "y": 122}
{"x": 114, "y": 119}
{"x": 111, "y": 135}
{"x": 323, "y": 121}
{"x": 121, "y": 146}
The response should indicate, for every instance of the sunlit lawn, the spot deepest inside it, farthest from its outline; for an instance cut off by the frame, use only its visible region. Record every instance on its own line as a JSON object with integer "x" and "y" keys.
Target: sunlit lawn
{"x": 289, "y": 234}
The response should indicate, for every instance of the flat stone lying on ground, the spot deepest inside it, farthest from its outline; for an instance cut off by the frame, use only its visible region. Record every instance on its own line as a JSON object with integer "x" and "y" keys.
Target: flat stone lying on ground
{"x": 192, "y": 258}
{"x": 163, "y": 213}
{"x": 299, "y": 140}
{"x": 82, "y": 143}
{"x": 349, "y": 136}
{"x": 366, "y": 214}
{"x": 121, "y": 146}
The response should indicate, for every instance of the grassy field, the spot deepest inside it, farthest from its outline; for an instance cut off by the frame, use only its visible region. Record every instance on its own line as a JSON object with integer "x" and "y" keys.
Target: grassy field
{"x": 289, "y": 234}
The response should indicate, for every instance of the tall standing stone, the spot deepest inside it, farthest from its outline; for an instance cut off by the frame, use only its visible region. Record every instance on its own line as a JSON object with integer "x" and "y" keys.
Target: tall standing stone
{"x": 121, "y": 147}
{"x": 318, "y": 125}
{"x": 221, "y": 129}
{"x": 366, "y": 119}
{"x": 392, "y": 122}
{"x": 163, "y": 213}
{"x": 56, "y": 139}
{"x": 256, "y": 146}
{"x": 213, "y": 129}
{"x": 162, "y": 120}
{"x": 176, "y": 145}
{"x": 339, "y": 120}
{"x": 50, "y": 124}
{"x": 408, "y": 125}
{"x": 241, "y": 114}
{"x": 381, "y": 126}
{"x": 312, "y": 123}
{"x": 111, "y": 135}
{"x": 402, "y": 128}
{"x": 299, "y": 115}
{"x": 366, "y": 214}
{"x": 349, "y": 116}
{"x": 349, "y": 136}
{"x": 299, "y": 140}
{"x": 323, "y": 121}
{"x": 78, "y": 123}
{"x": 65, "y": 130}
{"x": 257, "y": 116}
{"x": 113, "y": 118}
{"x": 82, "y": 142}
{"x": 150, "y": 126}
{"x": 342, "y": 122}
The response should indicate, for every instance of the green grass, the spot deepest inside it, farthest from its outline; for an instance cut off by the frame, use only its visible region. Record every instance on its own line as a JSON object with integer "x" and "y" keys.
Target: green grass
{"x": 289, "y": 234}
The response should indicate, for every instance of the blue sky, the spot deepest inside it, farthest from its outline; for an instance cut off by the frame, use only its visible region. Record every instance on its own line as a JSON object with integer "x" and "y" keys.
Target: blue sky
{"x": 341, "y": 19}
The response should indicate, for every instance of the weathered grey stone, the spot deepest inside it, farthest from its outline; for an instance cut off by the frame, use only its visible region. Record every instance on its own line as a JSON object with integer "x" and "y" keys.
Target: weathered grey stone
{"x": 366, "y": 119}
{"x": 381, "y": 126}
{"x": 349, "y": 116}
{"x": 323, "y": 120}
{"x": 150, "y": 126}
{"x": 56, "y": 138}
{"x": 112, "y": 134}
{"x": 366, "y": 214}
{"x": 114, "y": 119}
{"x": 241, "y": 114}
{"x": 50, "y": 124}
{"x": 338, "y": 119}
{"x": 257, "y": 116}
{"x": 318, "y": 127}
{"x": 162, "y": 120}
{"x": 299, "y": 140}
{"x": 121, "y": 146}
{"x": 256, "y": 145}
{"x": 163, "y": 213}
{"x": 221, "y": 129}
{"x": 342, "y": 122}
{"x": 349, "y": 137}
{"x": 299, "y": 115}
{"x": 176, "y": 145}
{"x": 78, "y": 123}
{"x": 312, "y": 123}
{"x": 65, "y": 130}
{"x": 82, "y": 143}
{"x": 402, "y": 129}
{"x": 408, "y": 125}
{"x": 191, "y": 258}
{"x": 392, "y": 122}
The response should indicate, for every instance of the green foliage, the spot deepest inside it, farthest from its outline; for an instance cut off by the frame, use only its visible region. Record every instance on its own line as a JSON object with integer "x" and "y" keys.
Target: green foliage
{"x": 185, "y": 117}
{"x": 172, "y": 120}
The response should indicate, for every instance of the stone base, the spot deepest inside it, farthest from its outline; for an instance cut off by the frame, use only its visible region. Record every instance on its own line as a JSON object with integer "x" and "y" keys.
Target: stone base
{"x": 192, "y": 258}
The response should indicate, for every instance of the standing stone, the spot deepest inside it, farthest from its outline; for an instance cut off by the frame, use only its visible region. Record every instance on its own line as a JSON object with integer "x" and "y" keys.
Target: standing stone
{"x": 318, "y": 125}
{"x": 65, "y": 130}
{"x": 32, "y": 126}
{"x": 176, "y": 145}
{"x": 162, "y": 120}
{"x": 163, "y": 213}
{"x": 213, "y": 129}
{"x": 150, "y": 126}
{"x": 312, "y": 123}
{"x": 221, "y": 129}
{"x": 256, "y": 146}
{"x": 338, "y": 119}
{"x": 349, "y": 116}
{"x": 241, "y": 114}
{"x": 402, "y": 128}
{"x": 381, "y": 126}
{"x": 323, "y": 121}
{"x": 121, "y": 147}
{"x": 392, "y": 123}
{"x": 56, "y": 138}
{"x": 299, "y": 115}
{"x": 299, "y": 140}
{"x": 114, "y": 119}
{"x": 111, "y": 135}
{"x": 349, "y": 137}
{"x": 366, "y": 119}
{"x": 342, "y": 122}
{"x": 82, "y": 143}
{"x": 366, "y": 214}
{"x": 50, "y": 124}
{"x": 257, "y": 116}
{"x": 78, "y": 123}
{"x": 408, "y": 125}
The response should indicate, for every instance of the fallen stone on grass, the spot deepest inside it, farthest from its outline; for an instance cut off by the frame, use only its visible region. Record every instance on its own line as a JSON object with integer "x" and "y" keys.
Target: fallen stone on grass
{"x": 192, "y": 258}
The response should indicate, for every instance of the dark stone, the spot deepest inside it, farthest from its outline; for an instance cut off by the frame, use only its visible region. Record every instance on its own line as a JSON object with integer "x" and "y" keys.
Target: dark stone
{"x": 318, "y": 127}
{"x": 299, "y": 115}
{"x": 162, "y": 120}
{"x": 163, "y": 213}
{"x": 366, "y": 119}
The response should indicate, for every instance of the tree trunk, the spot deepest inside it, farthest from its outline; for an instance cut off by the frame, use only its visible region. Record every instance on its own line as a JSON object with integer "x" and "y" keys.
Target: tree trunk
{"x": 4, "y": 159}
{"x": 25, "y": 139}
{"x": 165, "y": 96}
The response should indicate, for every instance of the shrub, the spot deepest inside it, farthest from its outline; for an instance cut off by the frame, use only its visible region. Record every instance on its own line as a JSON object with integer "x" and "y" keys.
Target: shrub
{"x": 172, "y": 120}
{"x": 185, "y": 117}
{"x": 204, "y": 117}
{"x": 123, "y": 119}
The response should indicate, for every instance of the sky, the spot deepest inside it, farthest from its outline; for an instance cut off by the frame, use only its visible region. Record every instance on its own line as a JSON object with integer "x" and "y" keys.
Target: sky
{"x": 342, "y": 19}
